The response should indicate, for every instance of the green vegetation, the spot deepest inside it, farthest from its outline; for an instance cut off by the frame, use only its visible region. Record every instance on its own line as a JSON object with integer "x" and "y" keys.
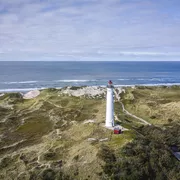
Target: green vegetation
{"x": 49, "y": 131}
{"x": 148, "y": 156}
{"x": 158, "y": 105}
{"x": 49, "y": 137}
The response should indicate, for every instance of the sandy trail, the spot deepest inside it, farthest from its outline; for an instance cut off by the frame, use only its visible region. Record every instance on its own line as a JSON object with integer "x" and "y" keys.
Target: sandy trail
{"x": 117, "y": 95}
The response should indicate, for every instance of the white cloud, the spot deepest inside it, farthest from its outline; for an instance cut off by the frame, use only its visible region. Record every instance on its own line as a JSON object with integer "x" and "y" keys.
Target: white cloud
{"x": 88, "y": 29}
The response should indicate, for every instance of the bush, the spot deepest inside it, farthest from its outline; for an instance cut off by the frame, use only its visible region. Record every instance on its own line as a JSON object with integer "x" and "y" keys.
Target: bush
{"x": 153, "y": 117}
{"x": 49, "y": 156}
{"x": 48, "y": 174}
{"x": 5, "y": 162}
{"x": 148, "y": 156}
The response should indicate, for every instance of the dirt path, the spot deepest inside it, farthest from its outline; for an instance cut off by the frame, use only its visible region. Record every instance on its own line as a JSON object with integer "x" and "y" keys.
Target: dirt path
{"x": 132, "y": 115}
{"x": 117, "y": 95}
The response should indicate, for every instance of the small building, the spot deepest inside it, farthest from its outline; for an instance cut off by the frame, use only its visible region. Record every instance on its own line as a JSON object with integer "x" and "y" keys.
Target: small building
{"x": 117, "y": 131}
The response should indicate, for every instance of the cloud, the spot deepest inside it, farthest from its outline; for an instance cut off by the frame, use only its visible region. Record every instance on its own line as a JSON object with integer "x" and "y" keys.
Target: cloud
{"x": 89, "y": 29}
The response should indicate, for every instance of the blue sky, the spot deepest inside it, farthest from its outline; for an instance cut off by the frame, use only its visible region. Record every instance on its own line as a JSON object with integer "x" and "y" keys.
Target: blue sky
{"x": 89, "y": 30}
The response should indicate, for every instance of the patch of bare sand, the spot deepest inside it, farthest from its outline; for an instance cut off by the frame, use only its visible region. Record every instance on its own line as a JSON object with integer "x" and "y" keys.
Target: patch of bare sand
{"x": 31, "y": 94}
{"x": 2, "y": 94}
{"x": 90, "y": 91}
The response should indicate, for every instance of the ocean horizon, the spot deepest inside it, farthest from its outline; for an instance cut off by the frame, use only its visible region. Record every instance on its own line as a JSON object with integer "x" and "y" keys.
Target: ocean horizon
{"x": 19, "y": 76}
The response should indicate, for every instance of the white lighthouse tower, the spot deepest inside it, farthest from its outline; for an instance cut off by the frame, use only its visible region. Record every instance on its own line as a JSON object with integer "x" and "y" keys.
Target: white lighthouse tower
{"x": 110, "y": 105}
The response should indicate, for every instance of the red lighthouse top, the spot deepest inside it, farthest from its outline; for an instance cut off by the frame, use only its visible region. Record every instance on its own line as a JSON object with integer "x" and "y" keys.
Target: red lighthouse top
{"x": 110, "y": 84}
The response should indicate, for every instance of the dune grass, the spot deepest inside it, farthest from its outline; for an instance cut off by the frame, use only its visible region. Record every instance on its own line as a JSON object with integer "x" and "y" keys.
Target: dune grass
{"x": 52, "y": 136}
{"x": 158, "y": 105}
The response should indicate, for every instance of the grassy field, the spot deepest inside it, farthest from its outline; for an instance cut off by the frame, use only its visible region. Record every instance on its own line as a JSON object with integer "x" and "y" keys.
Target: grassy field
{"x": 157, "y": 105}
{"x": 48, "y": 138}
{"x": 49, "y": 132}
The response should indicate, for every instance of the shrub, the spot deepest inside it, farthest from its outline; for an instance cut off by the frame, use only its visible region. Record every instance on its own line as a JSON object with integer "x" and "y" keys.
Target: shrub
{"x": 49, "y": 156}
{"x": 48, "y": 174}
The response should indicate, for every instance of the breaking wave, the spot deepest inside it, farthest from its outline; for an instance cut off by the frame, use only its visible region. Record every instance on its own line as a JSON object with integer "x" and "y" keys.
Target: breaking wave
{"x": 120, "y": 85}
{"x": 146, "y": 79}
{"x": 165, "y": 80}
{"x": 75, "y": 80}
{"x": 20, "y": 82}
{"x": 20, "y": 89}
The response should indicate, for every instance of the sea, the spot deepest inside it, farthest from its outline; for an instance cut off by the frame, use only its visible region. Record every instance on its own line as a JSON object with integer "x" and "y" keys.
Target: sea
{"x": 20, "y": 76}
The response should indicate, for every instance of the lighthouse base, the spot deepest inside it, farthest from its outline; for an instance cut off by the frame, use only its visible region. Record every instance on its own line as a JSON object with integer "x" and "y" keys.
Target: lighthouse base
{"x": 109, "y": 124}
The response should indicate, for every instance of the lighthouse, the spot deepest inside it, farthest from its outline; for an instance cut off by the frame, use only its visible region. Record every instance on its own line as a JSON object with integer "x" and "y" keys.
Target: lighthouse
{"x": 110, "y": 105}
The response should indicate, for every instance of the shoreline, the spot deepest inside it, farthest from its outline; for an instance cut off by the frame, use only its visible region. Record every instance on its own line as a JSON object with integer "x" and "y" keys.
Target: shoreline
{"x": 24, "y": 90}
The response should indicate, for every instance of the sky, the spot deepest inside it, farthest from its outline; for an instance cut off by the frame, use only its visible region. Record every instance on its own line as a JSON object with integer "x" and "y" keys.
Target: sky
{"x": 122, "y": 30}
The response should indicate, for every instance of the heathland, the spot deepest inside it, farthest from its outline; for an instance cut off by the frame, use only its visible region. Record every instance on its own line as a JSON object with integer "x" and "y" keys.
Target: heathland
{"x": 60, "y": 134}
